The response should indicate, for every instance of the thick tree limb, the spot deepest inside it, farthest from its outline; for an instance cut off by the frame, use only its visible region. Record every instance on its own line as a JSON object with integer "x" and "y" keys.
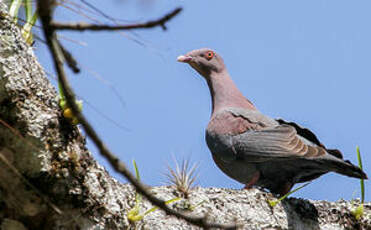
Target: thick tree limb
{"x": 57, "y": 55}
{"x": 81, "y": 26}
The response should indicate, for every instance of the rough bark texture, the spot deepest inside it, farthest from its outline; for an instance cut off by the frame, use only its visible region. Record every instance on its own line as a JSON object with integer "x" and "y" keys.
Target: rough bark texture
{"x": 51, "y": 155}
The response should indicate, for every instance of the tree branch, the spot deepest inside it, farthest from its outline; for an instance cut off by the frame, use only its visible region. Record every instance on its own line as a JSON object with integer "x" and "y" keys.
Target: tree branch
{"x": 45, "y": 12}
{"x": 81, "y": 26}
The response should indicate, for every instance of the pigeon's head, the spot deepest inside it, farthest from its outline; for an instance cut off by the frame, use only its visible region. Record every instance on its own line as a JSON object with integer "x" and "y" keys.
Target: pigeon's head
{"x": 205, "y": 61}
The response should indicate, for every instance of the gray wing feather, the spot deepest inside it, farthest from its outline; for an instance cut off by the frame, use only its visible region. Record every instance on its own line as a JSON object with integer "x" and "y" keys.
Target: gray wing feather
{"x": 273, "y": 143}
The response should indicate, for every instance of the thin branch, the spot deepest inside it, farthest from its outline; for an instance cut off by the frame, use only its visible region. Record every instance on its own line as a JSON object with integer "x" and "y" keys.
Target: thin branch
{"x": 71, "y": 61}
{"x": 78, "y": 12}
{"x": 80, "y": 26}
{"x": 44, "y": 7}
{"x": 98, "y": 10}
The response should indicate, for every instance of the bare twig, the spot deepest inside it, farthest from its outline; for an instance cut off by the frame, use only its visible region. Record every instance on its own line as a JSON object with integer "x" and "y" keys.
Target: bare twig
{"x": 45, "y": 9}
{"x": 78, "y": 12}
{"x": 71, "y": 61}
{"x": 80, "y": 26}
{"x": 98, "y": 10}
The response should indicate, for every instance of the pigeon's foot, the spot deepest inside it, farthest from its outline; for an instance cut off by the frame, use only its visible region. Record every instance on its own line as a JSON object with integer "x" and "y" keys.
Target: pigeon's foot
{"x": 253, "y": 180}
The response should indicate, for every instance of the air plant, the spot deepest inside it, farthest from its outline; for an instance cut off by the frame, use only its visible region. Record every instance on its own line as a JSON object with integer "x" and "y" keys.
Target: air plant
{"x": 183, "y": 176}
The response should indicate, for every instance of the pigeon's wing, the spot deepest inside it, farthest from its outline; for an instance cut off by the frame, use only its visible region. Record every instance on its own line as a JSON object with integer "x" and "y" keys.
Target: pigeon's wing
{"x": 282, "y": 144}
{"x": 304, "y": 132}
{"x": 309, "y": 135}
{"x": 269, "y": 139}
{"x": 275, "y": 143}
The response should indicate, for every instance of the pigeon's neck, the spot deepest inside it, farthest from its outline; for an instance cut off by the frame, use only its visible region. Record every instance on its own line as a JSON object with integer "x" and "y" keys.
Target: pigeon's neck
{"x": 224, "y": 93}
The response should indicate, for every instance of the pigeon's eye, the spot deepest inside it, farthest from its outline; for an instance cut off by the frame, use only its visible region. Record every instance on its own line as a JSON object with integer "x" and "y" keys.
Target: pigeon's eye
{"x": 209, "y": 55}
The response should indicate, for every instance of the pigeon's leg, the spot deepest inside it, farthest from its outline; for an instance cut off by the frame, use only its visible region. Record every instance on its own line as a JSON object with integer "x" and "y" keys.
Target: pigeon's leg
{"x": 253, "y": 180}
{"x": 286, "y": 187}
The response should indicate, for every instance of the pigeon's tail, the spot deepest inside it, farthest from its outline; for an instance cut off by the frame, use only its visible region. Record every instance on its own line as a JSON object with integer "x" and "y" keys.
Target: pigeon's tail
{"x": 347, "y": 168}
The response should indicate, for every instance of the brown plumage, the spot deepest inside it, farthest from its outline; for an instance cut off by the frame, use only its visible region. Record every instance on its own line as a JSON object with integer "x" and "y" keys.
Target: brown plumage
{"x": 255, "y": 149}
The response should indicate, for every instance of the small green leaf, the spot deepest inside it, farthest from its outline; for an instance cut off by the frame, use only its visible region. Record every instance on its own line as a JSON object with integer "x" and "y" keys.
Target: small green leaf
{"x": 155, "y": 208}
{"x": 136, "y": 170}
{"x": 61, "y": 94}
{"x": 273, "y": 203}
{"x": 138, "y": 197}
{"x": 133, "y": 214}
{"x": 362, "y": 181}
{"x": 62, "y": 104}
{"x": 192, "y": 208}
{"x": 14, "y": 8}
{"x": 358, "y": 212}
{"x": 28, "y": 9}
{"x": 26, "y": 30}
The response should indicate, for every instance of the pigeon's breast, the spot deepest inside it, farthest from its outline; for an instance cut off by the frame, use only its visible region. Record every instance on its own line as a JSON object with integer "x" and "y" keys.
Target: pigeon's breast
{"x": 219, "y": 138}
{"x": 226, "y": 123}
{"x": 222, "y": 127}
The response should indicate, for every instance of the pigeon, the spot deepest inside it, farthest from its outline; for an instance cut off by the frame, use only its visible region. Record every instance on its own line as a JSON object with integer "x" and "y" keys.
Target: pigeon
{"x": 254, "y": 149}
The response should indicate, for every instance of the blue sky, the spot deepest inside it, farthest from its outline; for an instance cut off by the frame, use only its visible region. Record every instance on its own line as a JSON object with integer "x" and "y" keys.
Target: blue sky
{"x": 304, "y": 61}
